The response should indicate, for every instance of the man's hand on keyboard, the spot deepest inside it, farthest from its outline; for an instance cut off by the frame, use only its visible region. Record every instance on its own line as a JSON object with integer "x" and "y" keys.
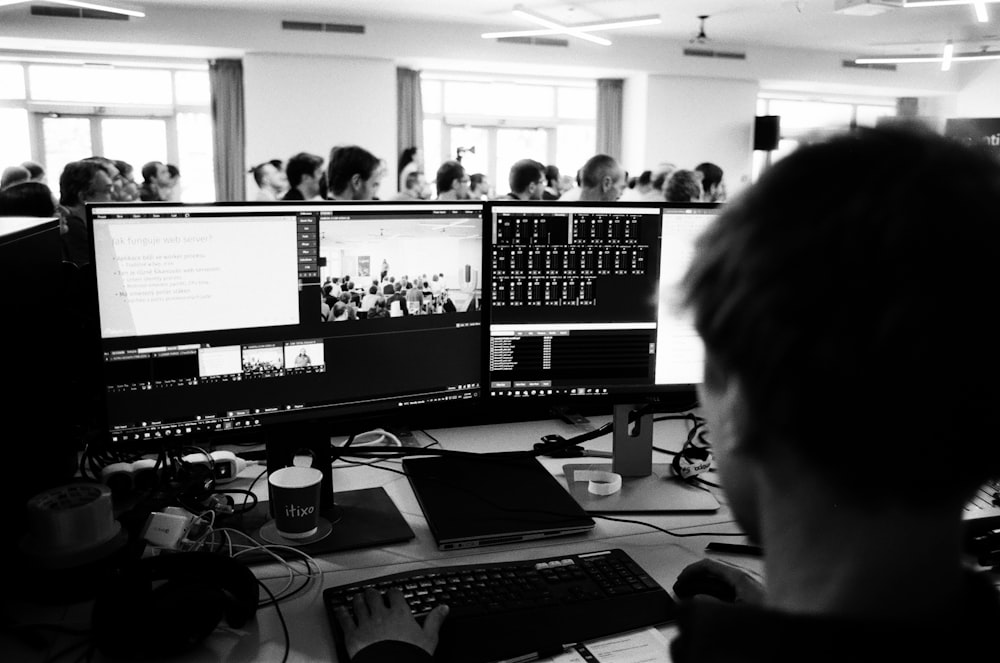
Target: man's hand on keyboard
{"x": 376, "y": 621}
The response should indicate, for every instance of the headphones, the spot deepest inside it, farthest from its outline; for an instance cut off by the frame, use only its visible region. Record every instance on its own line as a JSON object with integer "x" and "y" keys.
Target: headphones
{"x": 167, "y": 604}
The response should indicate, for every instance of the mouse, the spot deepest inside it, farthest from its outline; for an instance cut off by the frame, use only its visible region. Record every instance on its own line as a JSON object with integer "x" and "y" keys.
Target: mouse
{"x": 688, "y": 586}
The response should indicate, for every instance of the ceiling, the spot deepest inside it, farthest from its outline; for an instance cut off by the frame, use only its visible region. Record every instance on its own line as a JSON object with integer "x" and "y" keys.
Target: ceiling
{"x": 811, "y": 24}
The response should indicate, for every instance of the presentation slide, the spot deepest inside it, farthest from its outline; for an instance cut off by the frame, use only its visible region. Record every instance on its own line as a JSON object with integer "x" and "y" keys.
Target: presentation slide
{"x": 195, "y": 274}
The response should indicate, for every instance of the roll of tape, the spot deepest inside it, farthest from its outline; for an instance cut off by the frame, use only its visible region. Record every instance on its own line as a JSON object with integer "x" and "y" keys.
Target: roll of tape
{"x": 600, "y": 482}
{"x": 71, "y": 525}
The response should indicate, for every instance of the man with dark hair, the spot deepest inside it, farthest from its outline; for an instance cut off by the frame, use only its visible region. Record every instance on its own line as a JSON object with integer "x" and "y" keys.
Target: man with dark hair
{"x": 527, "y": 180}
{"x": 155, "y": 181}
{"x": 304, "y": 172}
{"x": 713, "y": 188}
{"x": 271, "y": 180}
{"x": 37, "y": 171}
{"x": 551, "y": 183}
{"x": 683, "y": 186}
{"x": 602, "y": 179}
{"x": 479, "y": 187}
{"x": 452, "y": 182}
{"x": 81, "y": 182}
{"x": 810, "y": 289}
{"x": 354, "y": 173}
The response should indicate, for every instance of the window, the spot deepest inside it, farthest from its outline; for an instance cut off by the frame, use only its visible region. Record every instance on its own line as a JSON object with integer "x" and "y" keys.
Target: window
{"x": 805, "y": 120}
{"x": 57, "y": 113}
{"x": 553, "y": 122}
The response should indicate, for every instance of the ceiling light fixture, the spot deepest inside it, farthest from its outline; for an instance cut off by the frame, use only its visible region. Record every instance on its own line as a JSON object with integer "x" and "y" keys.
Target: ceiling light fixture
{"x": 82, "y": 5}
{"x": 949, "y": 51}
{"x": 579, "y": 30}
{"x": 981, "y": 14}
{"x": 979, "y": 5}
{"x": 913, "y": 59}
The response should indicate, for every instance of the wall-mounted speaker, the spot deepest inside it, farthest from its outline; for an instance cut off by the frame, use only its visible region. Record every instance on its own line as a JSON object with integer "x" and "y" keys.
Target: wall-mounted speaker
{"x": 766, "y": 132}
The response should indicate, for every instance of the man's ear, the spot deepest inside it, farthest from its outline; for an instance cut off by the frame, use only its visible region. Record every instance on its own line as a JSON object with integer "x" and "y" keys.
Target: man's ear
{"x": 355, "y": 182}
{"x": 606, "y": 183}
{"x": 455, "y": 183}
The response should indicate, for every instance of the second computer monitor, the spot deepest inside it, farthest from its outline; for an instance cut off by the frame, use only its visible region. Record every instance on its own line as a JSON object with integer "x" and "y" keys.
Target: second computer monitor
{"x": 584, "y": 300}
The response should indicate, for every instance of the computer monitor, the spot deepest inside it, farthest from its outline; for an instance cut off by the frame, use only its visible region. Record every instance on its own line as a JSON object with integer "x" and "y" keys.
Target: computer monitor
{"x": 583, "y": 307}
{"x": 220, "y": 319}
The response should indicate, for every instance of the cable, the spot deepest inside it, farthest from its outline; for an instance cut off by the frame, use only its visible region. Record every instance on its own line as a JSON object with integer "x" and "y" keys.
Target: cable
{"x": 378, "y": 436}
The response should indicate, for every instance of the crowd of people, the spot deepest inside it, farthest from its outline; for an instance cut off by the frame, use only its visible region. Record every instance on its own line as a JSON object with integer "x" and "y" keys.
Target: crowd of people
{"x": 354, "y": 173}
{"x": 350, "y": 173}
{"x": 386, "y": 297}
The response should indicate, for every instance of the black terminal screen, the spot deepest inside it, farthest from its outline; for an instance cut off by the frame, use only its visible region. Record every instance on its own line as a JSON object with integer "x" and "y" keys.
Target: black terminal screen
{"x": 583, "y": 299}
{"x": 226, "y": 317}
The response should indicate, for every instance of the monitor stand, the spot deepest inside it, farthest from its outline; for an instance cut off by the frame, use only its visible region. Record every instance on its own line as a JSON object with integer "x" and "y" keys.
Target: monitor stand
{"x": 363, "y": 518}
{"x": 646, "y": 486}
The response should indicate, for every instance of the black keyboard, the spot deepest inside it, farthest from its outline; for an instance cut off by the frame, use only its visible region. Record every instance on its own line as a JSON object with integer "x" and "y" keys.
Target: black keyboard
{"x": 509, "y": 609}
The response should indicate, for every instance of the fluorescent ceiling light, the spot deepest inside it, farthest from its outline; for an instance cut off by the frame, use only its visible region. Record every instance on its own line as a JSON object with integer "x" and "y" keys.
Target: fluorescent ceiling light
{"x": 949, "y": 51}
{"x": 913, "y": 4}
{"x": 579, "y": 30}
{"x": 910, "y": 59}
{"x": 82, "y": 5}
{"x": 981, "y": 14}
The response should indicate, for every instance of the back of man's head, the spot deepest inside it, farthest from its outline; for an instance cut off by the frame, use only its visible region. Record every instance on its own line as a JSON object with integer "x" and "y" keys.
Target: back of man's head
{"x": 346, "y": 161}
{"x": 447, "y": 174}
{"x": 850, "y": 312}
{"x": 711, "y": 175}
{"x": 682, "y": 187}
{"x": 597, "y": 175}
{"x": 300, "y": 165}
{"x": 75, "y": 182}
{"x": 524, "y": 173}
{"x": 552, "y": 175}
{"x": 151, "y": 168}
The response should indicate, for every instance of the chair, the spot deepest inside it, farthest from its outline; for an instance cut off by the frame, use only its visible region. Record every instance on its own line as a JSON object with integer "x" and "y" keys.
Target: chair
{"x": 395, "y": 310}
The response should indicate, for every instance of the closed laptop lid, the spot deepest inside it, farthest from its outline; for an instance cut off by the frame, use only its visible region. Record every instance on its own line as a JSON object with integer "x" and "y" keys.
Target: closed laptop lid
{"x": 485, "y": 499}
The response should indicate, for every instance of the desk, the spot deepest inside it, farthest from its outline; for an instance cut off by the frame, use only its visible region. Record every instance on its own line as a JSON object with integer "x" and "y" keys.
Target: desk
{"x": 661, "y": 555}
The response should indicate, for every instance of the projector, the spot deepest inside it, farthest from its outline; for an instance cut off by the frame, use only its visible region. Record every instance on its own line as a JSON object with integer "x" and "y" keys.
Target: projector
{"x": 865, "y": 7}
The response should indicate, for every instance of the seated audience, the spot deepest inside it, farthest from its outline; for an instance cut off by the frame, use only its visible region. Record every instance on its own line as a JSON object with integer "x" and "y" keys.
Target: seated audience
{"x": 27, "y": 199}
{"x": 452, "y": 181}
{"x": 552, "y": 191}
{"x": 172, "y": 191}
{"x": 411, "y": 160}
{"x": 415, "y": 187}
{"x": 304, "y": 172}
{"x": 682, "y": 186}
{"x": 368, "y": 301}
{"x": 126, "y": 188}
{"x": 353, "y": 173}
{"x": 861, "y": 300}
{"x": 602, "y": 179}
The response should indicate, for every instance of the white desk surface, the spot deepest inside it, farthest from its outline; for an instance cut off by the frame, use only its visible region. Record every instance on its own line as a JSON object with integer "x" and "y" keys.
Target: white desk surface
{"x": 663, "y": 556}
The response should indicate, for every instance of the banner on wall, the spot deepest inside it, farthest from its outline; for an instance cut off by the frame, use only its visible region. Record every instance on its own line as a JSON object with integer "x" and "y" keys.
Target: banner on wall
{"x": 983, "y": 132}
{"x": 364, "y": 265}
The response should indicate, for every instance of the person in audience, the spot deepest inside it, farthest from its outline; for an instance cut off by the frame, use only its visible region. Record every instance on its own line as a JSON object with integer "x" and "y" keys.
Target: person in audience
{"x": 369, "y": 300}
{"x": 712, "y": 185}
{"x": 37, "y": 171}
{"x": 271, "y": 181}
{"x": 479, "y": 187}
{"x": 411, "y": 160}
{"x": 389, "y": 287}
{"x": 526, "y": 180}
{"x": 415, "y": 187}
{"x": 552, "y": 178}
{"x": 602, "y": 179}
{"x": 398, "y": 295}
{"x": 378, "y": 310}
{"x": 172, "y": 191}
{"x": 81, "y": 182}
{"x": 354, "y": 173}
{"x": 452, "y": 181}
{"x": 14, "y": 175}
{"x": 856, "y": 569}
{"x": 155, "y": 181}
{"x": 29, "y": 198}
{"x": 304, "y": 172}
{"x": 339, "y": 313}
{"x": 126, "y": 189}
{"x": 414, "y": 299}
{"x": 683, "y": 186}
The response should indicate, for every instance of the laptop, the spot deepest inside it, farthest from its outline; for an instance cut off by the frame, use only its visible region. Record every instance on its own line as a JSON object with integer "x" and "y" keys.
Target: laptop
{"x": 488, "y": 499}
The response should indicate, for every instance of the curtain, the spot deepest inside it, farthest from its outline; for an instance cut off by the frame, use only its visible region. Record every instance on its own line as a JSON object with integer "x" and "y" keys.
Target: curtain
{"x": 610, "y": 92}
{"x": 226, "y": 80}
{"x": 409, "y": 110}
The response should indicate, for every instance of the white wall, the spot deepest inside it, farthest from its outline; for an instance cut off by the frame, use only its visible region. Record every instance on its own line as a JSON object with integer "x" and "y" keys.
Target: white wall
{"x": 980, "y": 95}
{"x": 691, "y": 120}
{"x": 309, "y": 103}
